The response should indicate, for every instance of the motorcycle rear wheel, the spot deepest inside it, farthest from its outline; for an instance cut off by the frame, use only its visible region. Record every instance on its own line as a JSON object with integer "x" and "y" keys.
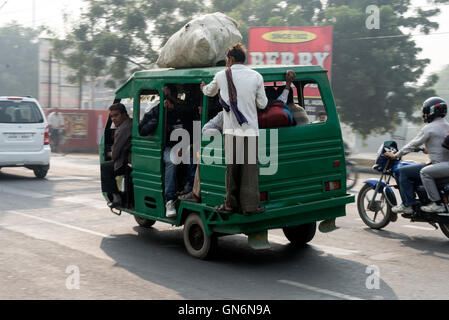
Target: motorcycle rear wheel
{"x": 381, "y": 208}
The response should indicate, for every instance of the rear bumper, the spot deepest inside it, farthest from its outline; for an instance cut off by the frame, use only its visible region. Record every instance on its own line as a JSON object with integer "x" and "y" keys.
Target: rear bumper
{"x": 275, "y": 217}
{"x": 21, "y": 159}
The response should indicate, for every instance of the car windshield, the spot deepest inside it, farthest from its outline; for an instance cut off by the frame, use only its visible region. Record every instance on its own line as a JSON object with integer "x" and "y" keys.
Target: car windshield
{"x": 12, "y": 111}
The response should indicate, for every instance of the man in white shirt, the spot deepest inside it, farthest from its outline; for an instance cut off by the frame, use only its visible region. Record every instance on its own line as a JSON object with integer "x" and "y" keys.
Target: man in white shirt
{"x": 242, "y": 91}
{"x": 56, "y": 127}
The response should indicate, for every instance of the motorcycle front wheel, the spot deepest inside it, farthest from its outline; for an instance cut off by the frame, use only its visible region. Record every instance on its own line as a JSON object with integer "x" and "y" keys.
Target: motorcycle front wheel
{"x": 377, "y": 214}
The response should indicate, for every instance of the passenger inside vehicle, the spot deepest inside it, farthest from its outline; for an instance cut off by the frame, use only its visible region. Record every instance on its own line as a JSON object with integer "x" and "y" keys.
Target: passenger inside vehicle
{"x": 120, "y": 154}
{"x": 4, "y": 117}
{"x": 18, "y": 116}
{"x": 181, "y": 104}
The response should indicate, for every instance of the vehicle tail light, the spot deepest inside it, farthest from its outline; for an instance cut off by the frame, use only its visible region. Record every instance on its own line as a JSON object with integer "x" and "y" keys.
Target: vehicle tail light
{"x": 332, "y": 185}
{"x": 47, "y": 136}
{"x": 15, "y": 99}
{"x": 337, "y": 164}
{"x": 263, "y": 196}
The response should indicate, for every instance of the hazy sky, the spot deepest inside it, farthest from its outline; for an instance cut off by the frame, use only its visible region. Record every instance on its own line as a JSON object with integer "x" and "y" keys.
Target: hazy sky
{"x": 49, "y": 12}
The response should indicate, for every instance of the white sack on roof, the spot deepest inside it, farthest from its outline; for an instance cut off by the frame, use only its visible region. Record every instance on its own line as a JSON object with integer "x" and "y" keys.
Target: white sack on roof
{"x": 200, "y": 43}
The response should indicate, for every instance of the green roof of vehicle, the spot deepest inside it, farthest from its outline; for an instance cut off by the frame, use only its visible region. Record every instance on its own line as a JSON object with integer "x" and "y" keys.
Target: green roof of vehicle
{"x": 210, "y": 72}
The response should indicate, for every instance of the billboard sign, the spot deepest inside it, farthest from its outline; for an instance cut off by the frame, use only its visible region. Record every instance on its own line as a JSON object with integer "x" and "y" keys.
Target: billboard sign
{"x": 293, "y": 46}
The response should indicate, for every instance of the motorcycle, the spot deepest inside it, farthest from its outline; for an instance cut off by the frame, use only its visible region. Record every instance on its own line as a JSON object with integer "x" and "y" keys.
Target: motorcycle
{"x": 376, "y": 197}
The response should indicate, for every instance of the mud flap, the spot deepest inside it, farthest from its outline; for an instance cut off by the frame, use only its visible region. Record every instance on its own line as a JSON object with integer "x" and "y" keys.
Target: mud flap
{"x": 327, "y": 226}
{"x": 259, "y": 240}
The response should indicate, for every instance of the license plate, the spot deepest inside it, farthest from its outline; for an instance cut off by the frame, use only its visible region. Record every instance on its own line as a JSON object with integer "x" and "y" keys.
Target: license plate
{"x": 19, "y": 136}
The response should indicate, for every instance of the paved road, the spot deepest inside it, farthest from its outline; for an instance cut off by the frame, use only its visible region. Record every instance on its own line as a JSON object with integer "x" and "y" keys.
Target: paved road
{"x": 54, "y": 229}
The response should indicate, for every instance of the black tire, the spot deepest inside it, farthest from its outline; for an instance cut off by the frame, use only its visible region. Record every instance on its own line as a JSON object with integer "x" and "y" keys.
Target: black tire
{"x": 40, "y": 172}
{"x": 352, "y": 175}
{"x": 143, "y": 222}
{"x": 300, "y": 235}
{"x": 445, "y": 228}
{"x": 198, "y": 244}
{"x": 381, "y": 206}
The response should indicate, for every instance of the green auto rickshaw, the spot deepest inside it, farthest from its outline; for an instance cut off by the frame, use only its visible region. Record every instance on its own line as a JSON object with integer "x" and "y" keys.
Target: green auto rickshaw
{"x": 306, "y": 180}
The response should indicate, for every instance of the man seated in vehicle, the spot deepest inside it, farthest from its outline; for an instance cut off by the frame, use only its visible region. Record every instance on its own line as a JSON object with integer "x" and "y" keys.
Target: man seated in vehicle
{"x": 177, "y": 117}
{"x": 322, "y": 117}
{"x": 299, "y": 113}
{"x": 4, "y": 117}
{"x": 120, "y": 154}
{"x": 188, "y": 110}
{"x": 211, "y": 128}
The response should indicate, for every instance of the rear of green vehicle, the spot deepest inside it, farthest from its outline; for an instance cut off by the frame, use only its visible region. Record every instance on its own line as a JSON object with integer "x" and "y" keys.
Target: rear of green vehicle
{"x": 302, "y": 181}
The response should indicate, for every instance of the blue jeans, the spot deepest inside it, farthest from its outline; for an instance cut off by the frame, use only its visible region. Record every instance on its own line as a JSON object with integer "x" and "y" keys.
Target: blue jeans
{"x": 170, "y": 176}
{"x": 191, "y": 170}
{"x": 409, "y": 177}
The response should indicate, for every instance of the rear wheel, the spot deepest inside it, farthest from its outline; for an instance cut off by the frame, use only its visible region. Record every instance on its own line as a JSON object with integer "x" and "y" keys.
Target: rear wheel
{"x": 300, "y": 235}
{"x": 143, "y": 222}
{"x": 40, "y": 172}
{"x": 377, "y": 214}
{"x": 445, "y": 228}
{"x": 198, "y": 244}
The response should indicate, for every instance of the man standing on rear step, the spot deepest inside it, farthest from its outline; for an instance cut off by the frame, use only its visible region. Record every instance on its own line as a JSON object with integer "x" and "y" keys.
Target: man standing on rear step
{"x": 241, "y": 93}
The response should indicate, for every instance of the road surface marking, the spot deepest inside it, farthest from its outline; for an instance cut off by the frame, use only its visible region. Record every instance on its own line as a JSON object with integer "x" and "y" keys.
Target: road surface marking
{"x": 326, "y": 249}
{"x": 85, "y": 201}
{"x": 23, "y": 193}
{"x": 319, "y": 290}
{"x": 63, "y": 225}
{"x": 419, "y": 228}
{"x": 62, "y": 178}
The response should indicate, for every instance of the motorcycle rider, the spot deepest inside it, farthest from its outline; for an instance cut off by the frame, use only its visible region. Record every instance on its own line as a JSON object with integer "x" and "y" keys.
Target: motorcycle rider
{"x": 434, "y": 171}
{"x": 434, "y": 110}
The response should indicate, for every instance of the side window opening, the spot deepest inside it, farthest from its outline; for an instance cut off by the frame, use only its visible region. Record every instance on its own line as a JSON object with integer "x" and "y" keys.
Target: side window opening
{"x": 279, "y": 111}
{"x": 313, "y": 102}
{"x": 149, "y": 99}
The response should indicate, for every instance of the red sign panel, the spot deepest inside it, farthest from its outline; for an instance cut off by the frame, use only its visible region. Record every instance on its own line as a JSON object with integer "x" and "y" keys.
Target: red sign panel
{"x": 293, "y": 46}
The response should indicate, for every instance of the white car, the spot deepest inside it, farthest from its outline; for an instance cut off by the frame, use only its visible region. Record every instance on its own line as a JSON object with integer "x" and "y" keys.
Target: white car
{"x": 24, "y": 135}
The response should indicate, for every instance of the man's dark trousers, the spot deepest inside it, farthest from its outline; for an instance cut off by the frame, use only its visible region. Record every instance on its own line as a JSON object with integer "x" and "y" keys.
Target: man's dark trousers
{"x": 108, "y": 174}
{"x": 242, "y": 180}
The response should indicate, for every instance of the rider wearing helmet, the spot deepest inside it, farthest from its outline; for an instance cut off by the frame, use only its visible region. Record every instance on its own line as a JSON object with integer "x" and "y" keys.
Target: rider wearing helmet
{"x": 434, "y": 110}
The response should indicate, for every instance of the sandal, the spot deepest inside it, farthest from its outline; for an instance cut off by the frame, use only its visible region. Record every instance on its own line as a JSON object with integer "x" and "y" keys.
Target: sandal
{"x": 189, "y": 197}
{"x": 222, "y": 209}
